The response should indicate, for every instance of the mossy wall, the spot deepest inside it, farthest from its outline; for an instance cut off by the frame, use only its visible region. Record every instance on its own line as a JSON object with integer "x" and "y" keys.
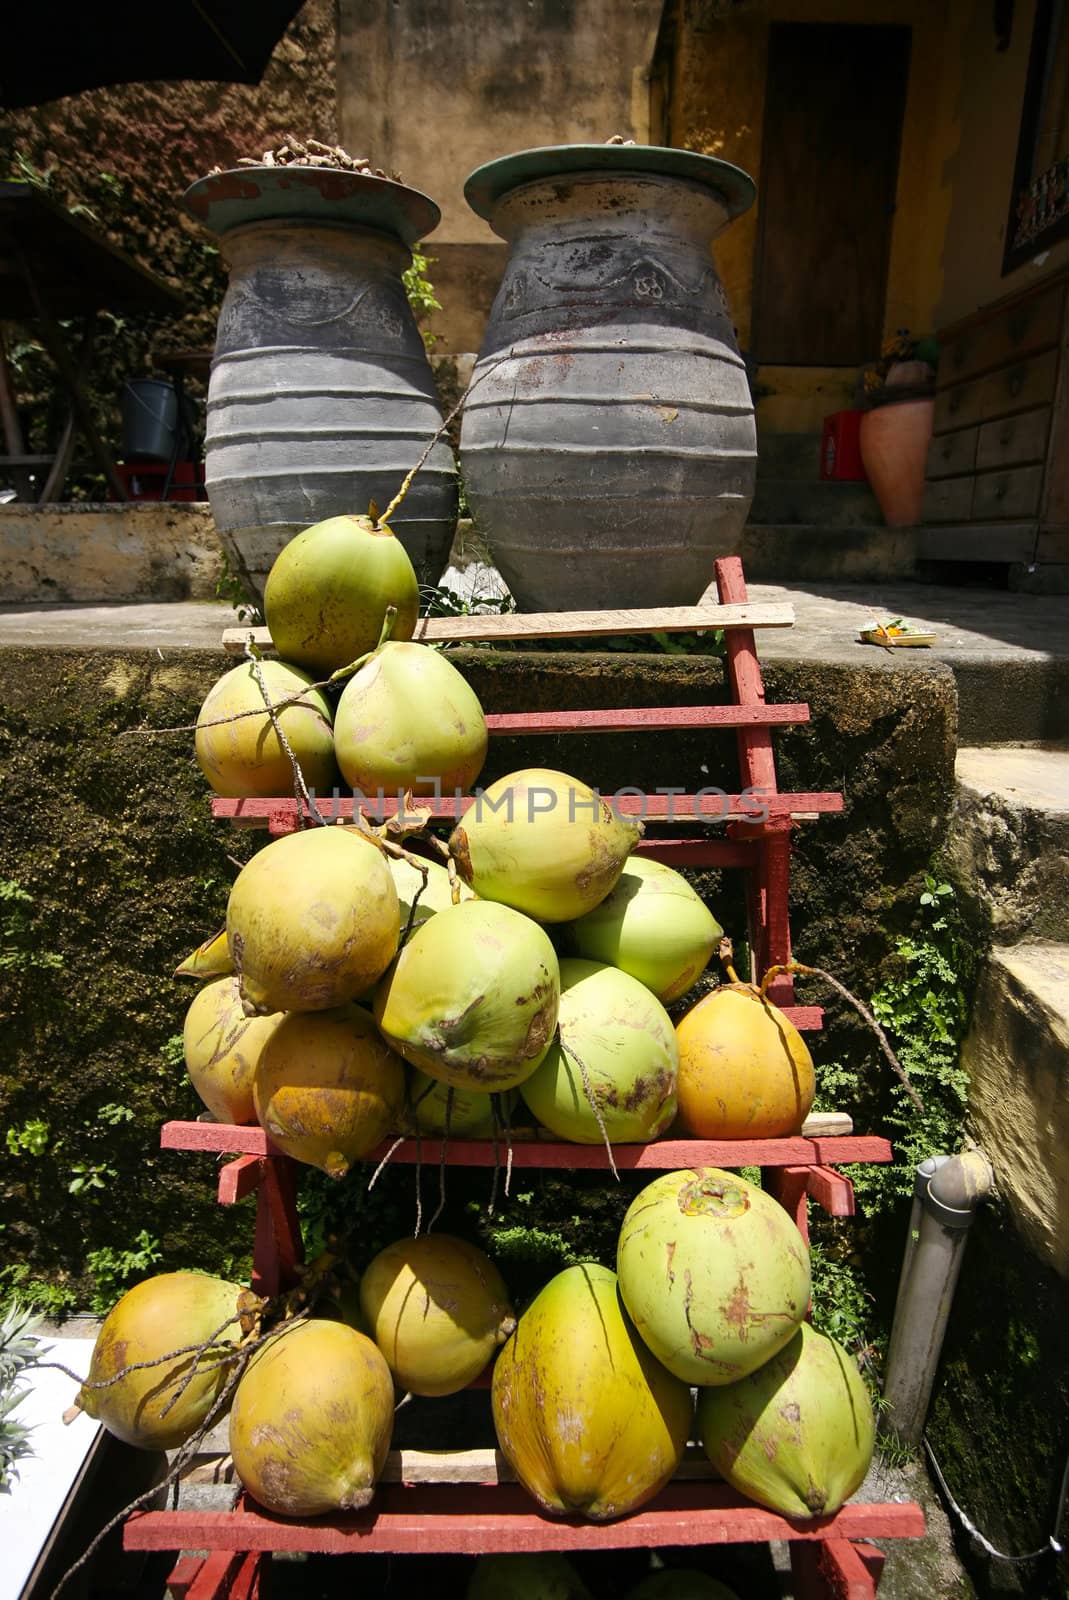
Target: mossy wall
{"x": 109, "y": 832}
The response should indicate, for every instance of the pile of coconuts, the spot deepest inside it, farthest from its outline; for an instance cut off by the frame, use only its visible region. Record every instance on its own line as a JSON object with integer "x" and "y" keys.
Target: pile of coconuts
{"x": 366, "y": 987}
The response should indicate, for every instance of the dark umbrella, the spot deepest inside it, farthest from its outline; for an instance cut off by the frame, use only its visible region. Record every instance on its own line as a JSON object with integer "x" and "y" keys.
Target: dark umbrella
{"x": 59, "y": 47}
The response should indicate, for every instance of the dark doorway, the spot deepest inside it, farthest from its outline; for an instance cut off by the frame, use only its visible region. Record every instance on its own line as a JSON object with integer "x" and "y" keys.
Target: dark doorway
{"x": 835, "y": 96}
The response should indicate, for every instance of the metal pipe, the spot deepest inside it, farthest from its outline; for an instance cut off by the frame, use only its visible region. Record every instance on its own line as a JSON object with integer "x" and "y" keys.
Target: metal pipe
{"x": 947, "y": 1193}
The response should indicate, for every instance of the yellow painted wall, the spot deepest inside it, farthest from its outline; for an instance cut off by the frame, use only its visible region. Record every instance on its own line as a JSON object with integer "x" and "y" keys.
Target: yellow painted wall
{"x": 987, "y": 108}
{"x": 717, "y": 106}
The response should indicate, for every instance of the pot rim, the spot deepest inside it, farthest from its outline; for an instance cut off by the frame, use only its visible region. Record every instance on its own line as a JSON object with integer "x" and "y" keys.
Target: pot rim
{"x": 488, "y": 184}
{"x": 226, "y": 200}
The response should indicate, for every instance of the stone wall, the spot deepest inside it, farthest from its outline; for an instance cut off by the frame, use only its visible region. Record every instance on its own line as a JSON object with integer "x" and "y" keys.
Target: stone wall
{"x": 110, "y": 554}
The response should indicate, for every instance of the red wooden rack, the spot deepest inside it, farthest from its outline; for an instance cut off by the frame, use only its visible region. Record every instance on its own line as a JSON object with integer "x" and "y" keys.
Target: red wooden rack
{"x": 831, "y": 1557}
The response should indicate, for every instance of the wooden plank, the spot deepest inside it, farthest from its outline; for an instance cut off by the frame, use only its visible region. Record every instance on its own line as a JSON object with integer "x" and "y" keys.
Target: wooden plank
{"x": 663, "y": 1155}
{"x": 699, "y": 852}
{"x": 1014, "y": 493}
{"x": 462, "y": 1519}
{"x": 214, "y": 1576}
{"x": 1018, "y": 387}
{"x": 1013, "y": 441}
{"x": 707, "y": 805}
{"x": 443, "y": 1466}
{"x": 1022, "y": 329}
{"x": 832, "y": 1192}
{"x": 977, "y": 541}
{"x": 951, "y": 454}
{"x": 570, "y": 624}
{"x": 832, "y": 1569}
{"x": 240, "y": 1178}
{"x": 643, "y": 719}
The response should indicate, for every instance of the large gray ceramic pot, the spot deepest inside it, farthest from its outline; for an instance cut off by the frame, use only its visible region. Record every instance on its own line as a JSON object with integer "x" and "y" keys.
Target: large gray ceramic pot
{"x": 609, "y": 449}
{"x": 321, "y": 397}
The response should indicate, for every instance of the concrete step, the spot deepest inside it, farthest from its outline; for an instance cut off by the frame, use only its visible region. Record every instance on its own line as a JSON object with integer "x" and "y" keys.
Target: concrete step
{"x": 789, "y": 455}
{"x": 831, "y": 505}
{"x": 1017, "y": 1058}
{"x": 1009, "y": 839}
{"x": 818, "y": 553}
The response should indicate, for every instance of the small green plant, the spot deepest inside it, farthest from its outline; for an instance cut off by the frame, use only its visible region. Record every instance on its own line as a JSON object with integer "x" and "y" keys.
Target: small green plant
{"x": 420, "y": 292}
{"x": 231, "y": 588}
{"x": 52, "y": 1300}
{"x": 112, "y": 1271}
{"x": 842, "y": 1306}
{"x": 114, "y": 1114}
{"x": 29, "y": 1140}
{"x": 19, "y": 1349}
{"x": 17, "y": 950}
{"x": 173, "y": 1052}
{"x": 87, "y": 1176}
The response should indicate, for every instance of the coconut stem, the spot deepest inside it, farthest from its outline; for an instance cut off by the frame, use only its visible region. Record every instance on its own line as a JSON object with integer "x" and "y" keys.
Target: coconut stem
{"x": 595, "y": 1108}
{"x": 796, "y": 968}
{"x": 726, "y": 952}
{"x": 371, "y": 1182}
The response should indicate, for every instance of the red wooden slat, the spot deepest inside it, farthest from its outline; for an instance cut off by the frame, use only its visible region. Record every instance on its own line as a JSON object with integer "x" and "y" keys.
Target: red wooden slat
{"x": 700, "y": 852}
{"x": 215, "y": 1575}
{"x": 182, "y": 1574}
{"x": 831, "y": 1191}
{"x": 666, "y": 1155}
{"x": 239, "y": 1178}
{"x": 831, "y": 1570}
{"x": 252, "y": 1578}
{"x": 277, "y": 1249}
{"x": 639, "y": 719}
{"x": 707, "y": 806}
{"x": 789, "y": 1185}
{"x": 467, "y": 1519}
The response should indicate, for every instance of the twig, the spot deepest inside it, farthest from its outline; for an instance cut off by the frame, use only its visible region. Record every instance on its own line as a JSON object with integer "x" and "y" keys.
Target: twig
{"x": 595, "y": 1108}
{"x": 441, "y": 1159}
{"x": 300, "y": 788}
{"x": 797, "y": 968}
{"x": 384, "y": 1162}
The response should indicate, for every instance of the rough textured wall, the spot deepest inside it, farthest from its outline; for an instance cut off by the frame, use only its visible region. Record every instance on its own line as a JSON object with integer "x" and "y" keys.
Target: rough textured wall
{"x": 129, "y": 153}
{"x": 111, "y": 838}
{"x": 435, "y": 87}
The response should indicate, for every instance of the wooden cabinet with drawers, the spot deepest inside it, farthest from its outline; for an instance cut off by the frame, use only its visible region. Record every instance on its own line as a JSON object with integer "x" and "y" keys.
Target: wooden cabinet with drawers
{"x": 997, "y": 475}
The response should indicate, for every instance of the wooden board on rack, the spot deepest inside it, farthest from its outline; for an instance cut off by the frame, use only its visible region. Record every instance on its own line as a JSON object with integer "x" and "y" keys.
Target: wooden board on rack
{"x": 568, "y": 624}
{"x": 471, "y": 1519}
{"x": 709, "y": 805}
{"x": 664, "y": 1155}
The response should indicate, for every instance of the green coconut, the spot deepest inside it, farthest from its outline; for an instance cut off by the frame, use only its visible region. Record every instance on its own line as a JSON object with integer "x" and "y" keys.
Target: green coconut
{"x": 312, "y": 921}
{"x": 590, "y": 1422}
{"x": 798, "y": 1434}
{"x": 327, "y": 1089}
{"x": 408, "y": 722}
{"x": 311, "y": 1421}
{"x": 543, "y": 843}
{"x": 168, "y": 1312}
{"x": 244, "y": 757}
{"x": 540, "y": 1575}
{"x": 434, "y": 894}
{"x": 437, "y": 1308}
{"x": 471, "y": 1113}
{"x": 624, "y": 1038}
{"x": 222, "y": 1046}
{"x": 327, "y": 594}
{"x": 680, "y": 1583}
{"x": 653, "y": 926}
{"x": 713, "y": 1272}
{"x": 472, "y": 998}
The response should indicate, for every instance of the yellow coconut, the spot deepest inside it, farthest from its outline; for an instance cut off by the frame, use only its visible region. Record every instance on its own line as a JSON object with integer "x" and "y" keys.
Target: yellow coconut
{"x": 165, "y": 1313}
{"x": 329, "y": 589}
{"x": 437, "y": 1308}
{"x": 744, "y": 1070}
{"x": 312, "y": 921}
{"x": 471, "y": 1114}
{"x": 798, "y": 1434}
{"x": 244, "y": 757}
{"x": 311, "y": 1421}
{"x": 653, "y": 926}
{"x": 611, "y": 1025}
{"x": 589, "y": 1420}
{"x": 212, "y": 959}
{"x": 222, "y": 1046}
{"x": 327, "y": 1089}
{"x": 408, "y": 721}
{"x": 472, "y": 998}
{"x": 543, "y": 843}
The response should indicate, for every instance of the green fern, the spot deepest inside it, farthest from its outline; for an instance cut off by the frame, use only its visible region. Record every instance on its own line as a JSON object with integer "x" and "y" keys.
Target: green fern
{"x": 19, "y": 1349}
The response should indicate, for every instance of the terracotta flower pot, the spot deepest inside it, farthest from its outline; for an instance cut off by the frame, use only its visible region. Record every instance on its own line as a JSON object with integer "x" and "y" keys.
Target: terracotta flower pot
{"x": 894, "y": 448}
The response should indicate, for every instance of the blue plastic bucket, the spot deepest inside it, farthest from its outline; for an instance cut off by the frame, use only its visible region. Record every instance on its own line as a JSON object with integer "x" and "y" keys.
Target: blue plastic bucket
{"x": 149, "y": 420}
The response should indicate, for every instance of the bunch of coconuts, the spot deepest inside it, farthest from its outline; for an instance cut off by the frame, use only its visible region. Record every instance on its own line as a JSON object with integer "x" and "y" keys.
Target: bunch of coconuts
{"x": 359, "y": 989}
{"x": 592, "y": 1385}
